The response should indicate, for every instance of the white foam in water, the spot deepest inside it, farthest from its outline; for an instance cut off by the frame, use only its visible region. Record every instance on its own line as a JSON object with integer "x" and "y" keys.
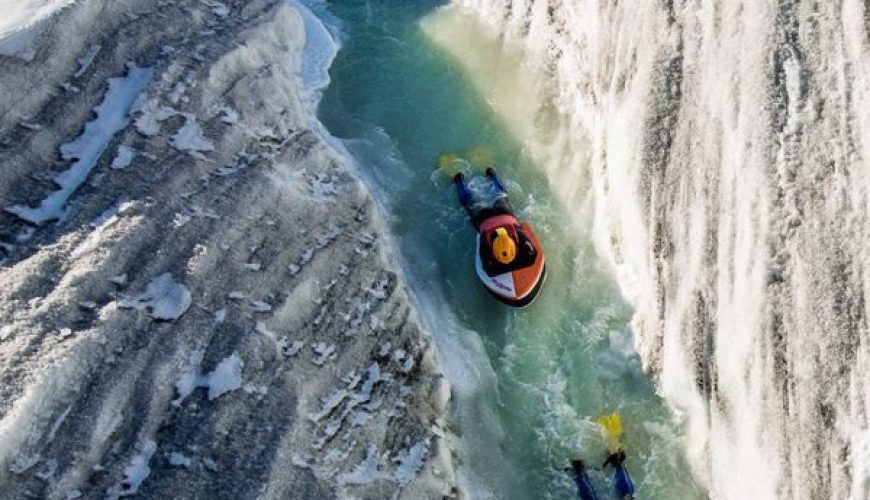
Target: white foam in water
{"x": 112, "y": 116}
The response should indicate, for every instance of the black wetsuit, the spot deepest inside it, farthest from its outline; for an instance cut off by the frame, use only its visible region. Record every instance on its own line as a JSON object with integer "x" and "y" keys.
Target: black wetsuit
{"x": 477, "y": 210}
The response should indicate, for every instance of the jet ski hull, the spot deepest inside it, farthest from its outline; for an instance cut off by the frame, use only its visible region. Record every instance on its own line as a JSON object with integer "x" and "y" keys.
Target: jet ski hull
{"x": 525, "y": 301}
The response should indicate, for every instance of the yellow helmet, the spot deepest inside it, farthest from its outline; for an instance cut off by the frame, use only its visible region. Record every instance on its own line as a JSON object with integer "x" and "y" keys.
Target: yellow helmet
{"x": 503, "y": 247}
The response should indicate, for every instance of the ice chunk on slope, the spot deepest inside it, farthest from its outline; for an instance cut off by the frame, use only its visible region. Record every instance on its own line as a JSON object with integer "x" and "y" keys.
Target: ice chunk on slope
{"x": 364, "y": 473}
{"x": 124, "y": 158}
{"x": 179, "y": 460}
{"x": 135, "y": 473}
{"x": 22, "y": 463}
{"x": 226, "y": 377}
{"x": 288, "y": 348}
{"x": 219, "y": 9}
{"x": 150, "y": 115}
{"x": 189, "y": 138}
{"x": 166, "y": 298}
{"x": 410, "y": 462}
{"x": 87, "y": 59}
{"x": 112, "y": 116}
{"x": 229, "y": 115}
{"x": 190, "y": 378}
{"x": 138, "y": 469}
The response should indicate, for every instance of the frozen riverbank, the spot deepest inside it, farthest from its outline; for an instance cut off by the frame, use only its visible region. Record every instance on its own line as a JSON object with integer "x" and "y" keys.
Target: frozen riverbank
{"x": 214, "y": 312}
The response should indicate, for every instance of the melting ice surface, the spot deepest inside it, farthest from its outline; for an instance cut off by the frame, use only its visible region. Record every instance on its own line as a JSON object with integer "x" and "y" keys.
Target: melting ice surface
{"x": 112, "y": 116}
{"x": 527, "y": 385}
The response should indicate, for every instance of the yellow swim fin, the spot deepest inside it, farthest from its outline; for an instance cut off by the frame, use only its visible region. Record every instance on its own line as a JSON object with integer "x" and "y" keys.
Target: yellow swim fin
{"x": 611, "y": 428}
{"x": 481, "y": 157}
{"x": 449, "y": 164}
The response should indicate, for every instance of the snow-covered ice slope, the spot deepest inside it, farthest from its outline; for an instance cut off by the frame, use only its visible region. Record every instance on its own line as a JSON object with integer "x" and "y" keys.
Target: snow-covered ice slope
{"x": 22, "y": 21}
{"x": 725, "y": 146}
{"x": 215, "y": 314}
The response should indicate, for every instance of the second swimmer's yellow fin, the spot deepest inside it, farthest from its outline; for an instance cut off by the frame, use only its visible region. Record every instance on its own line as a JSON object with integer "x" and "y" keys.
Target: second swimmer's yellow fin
{"x": 611, "y": 428}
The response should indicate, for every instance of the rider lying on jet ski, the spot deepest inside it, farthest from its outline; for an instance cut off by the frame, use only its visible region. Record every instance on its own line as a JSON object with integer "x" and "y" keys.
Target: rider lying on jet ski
{"x": 504, "y": 247}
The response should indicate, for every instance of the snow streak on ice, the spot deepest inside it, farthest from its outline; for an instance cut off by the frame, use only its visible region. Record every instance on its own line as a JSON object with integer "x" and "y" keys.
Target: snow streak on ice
{"x": 112, "y": 116}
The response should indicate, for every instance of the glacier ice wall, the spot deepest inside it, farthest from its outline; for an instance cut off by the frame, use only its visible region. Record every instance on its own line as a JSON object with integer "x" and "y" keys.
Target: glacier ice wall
{"x": 724, "y": 146}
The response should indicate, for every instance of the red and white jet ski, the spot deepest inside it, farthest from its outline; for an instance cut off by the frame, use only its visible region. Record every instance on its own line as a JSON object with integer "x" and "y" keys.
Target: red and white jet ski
{"x": 519, "y": 283}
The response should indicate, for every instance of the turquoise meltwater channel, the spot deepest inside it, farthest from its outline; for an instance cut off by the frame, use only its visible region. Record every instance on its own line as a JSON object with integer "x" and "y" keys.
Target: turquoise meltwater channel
{"x": 527, "y": 384}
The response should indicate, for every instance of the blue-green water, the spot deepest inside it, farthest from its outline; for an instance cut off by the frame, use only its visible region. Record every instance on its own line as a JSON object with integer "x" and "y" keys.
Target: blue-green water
{"x": 527, "y": 384}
